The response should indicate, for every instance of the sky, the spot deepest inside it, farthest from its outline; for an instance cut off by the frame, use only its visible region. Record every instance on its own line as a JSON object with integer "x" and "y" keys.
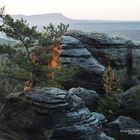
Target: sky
{"x": 77, "y": 9}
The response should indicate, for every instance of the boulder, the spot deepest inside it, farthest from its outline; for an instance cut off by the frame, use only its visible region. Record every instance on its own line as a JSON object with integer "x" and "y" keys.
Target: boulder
{"x": 90, "y": 97}
{"x": 100, "y": 116}
{"x": 48, "y": 113}
{"x": 123, "y": 128}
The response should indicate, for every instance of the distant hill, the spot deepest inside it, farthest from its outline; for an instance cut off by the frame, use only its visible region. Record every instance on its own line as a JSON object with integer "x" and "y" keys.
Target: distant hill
{"x": 43, "y": 19}
{"x": 56, "y": 18}
{"x": 127, "y": 29}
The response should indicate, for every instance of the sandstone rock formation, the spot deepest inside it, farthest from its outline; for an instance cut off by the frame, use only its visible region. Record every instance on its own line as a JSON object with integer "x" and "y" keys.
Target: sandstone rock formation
{"x": 48, "y": 113}
{"x": 124, "y": 128}
{"x": 121, "y": 54}
{"x": 90, "y": 97}
{"x": 91, "y": 71}
{"x": 74, "y": 52}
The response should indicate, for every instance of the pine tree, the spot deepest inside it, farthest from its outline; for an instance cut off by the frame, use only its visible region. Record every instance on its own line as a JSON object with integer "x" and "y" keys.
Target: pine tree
{"x": 30, "y": 57}
{"x": 110, "y": 81}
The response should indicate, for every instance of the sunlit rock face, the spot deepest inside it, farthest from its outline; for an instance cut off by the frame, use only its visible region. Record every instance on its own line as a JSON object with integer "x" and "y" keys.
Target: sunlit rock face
{"x": 48, "y": 113}
{"x": 56, "y": 52}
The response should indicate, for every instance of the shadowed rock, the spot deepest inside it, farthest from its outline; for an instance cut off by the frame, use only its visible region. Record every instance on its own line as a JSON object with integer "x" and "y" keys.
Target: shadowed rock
{"x": 48, "y": 113}
{"x": 116, "y": 52}
{"x": 123, "y": 128}
{"x": 91, "y": 71}
{"x": 90, "y": 97}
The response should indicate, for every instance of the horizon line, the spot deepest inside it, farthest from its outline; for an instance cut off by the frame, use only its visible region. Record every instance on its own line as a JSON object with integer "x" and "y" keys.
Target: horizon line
{"x": 81, "y": 19}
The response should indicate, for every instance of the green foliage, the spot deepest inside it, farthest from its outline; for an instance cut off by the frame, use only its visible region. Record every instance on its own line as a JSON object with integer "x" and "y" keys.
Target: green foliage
{"x": 110, "y": 106}
{"x": 110, "y": 81}
{"x": 51, "y": 35}
{"x": 19, "y": 30}
{"x": 60, "y": 75}
{"x": 111, "y": 103}
{"x": 65, "y": 73}
{"x": 7, "y": 87}
{"x": 135, "y": 97}
{"x": 30, "y": 57}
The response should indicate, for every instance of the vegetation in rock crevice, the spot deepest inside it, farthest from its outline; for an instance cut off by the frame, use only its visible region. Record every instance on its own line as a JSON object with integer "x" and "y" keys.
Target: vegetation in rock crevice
{"x": 111, "y": 103}
{"x": 110, "y": 81}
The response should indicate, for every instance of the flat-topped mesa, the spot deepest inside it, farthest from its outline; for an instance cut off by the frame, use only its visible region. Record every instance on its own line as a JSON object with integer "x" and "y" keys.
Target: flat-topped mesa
{"x": 48, "y": 113}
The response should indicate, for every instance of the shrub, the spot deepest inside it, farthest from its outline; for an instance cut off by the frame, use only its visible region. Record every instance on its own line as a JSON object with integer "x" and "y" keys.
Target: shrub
{"x": 110, "y": 81}
{"x": 111, "y": 103}
{"x": 110, "y": 106}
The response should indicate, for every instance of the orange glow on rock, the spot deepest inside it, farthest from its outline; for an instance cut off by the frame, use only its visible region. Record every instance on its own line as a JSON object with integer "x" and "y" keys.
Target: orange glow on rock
{"x": 56, "y": 62}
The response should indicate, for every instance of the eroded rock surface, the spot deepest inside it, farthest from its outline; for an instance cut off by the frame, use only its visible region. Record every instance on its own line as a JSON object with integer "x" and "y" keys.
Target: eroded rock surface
{"x": 124, "y": 128}
{"x": 74, "y": 52}
{"x": 91, "y": 71}
{"x": 121, "y": 54}
{"x": 48, "y": 113}
{"x": 90, "y": 97}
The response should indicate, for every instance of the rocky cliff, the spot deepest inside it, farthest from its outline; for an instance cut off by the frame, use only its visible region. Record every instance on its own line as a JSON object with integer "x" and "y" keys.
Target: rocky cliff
{"x": 55, "y": 114}
{"x": 121, "y": 54}
{"x": 91, "y": 71}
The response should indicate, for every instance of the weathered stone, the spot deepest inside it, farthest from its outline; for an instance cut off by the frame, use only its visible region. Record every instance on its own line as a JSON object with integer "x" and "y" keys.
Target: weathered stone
{"x": 123, "y": 128}
{"x": 100, "y": 116}
{"x": 115, "y": 52}
{"x": 98, "y": 39}
{"x": 48, "y": 113}
{"x": 90, "y": 97}
{"x": 85, "y": 60}
{"x": 91, "y": 71}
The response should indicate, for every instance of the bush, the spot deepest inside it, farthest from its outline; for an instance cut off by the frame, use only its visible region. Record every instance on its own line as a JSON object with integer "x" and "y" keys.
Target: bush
{"x": 110, "y": 106}
{"x": 111, "y": 103}
{"x": 110, "y": 81}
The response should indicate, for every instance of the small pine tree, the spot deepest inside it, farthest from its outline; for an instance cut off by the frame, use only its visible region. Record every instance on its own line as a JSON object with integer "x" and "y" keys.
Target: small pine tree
{"x": 110, "y": 81}
{"x": 110, "y": 106}
{"x": 111, "y": 103}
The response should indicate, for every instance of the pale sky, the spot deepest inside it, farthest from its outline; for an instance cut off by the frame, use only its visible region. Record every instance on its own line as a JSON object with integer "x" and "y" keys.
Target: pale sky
{"x": 77, "y": 9}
